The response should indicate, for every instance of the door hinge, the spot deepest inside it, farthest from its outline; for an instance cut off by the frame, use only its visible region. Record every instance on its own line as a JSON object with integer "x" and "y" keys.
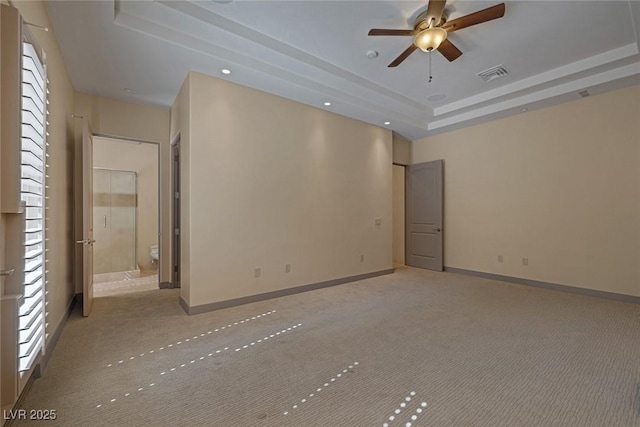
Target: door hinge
{"x": 177, "y": 195}
{"x": 177, "y": 231}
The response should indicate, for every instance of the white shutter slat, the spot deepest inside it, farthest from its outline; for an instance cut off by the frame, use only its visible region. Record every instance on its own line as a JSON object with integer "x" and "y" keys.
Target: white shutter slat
{"x": 30, "y": 119}
{"x": 30, "y": 132}
{"x": 27, "y": 360}
{"x": 33, "y": 253}
{"x": 28, "y": 74}
{"x": 30, "y": 146}
{"x": 32, "y": 265}
{"x": 30, "y": 186}
{"x": 29, "y": 53}
{"x": 30, "y": 318}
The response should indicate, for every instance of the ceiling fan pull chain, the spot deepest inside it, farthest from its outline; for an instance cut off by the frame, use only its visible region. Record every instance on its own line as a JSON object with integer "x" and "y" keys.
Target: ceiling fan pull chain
{"x": 430, "y": 75}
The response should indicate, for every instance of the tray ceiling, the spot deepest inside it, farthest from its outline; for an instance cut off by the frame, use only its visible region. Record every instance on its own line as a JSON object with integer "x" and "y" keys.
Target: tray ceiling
{"x": 316, "y": 52}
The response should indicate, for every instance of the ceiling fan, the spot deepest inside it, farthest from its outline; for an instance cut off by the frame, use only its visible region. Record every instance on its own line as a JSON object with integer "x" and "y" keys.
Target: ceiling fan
{"x": 431, "y": 29}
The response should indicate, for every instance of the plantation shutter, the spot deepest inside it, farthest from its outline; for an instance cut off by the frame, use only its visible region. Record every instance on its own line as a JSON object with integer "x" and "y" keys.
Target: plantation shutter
{"x": 31, "y": 320}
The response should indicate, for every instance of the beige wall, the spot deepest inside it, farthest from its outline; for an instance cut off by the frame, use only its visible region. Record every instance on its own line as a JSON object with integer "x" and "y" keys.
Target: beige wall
{"x": 142, "y": 159}
{"x": 181, "y": 131}
{"x": 275, "y": 182}
{"x": 59, "y": 224}
{"x": 559, "y": 186}
{"x": 115, "y": 117}
{"x": 135, "y": 121}
{"x": 398, "y": 215}
{"x": 401, "y": 150}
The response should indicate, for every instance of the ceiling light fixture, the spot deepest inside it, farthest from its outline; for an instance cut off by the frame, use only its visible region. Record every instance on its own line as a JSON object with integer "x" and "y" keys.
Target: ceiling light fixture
{"x": 226, "y": 71}
{"x": 524, "y": 109}
{"x": 327, "y": 104}
{"x": 430, "y": 39}
{"x": 387, "y": 123}
{"x": 436, "y": 97}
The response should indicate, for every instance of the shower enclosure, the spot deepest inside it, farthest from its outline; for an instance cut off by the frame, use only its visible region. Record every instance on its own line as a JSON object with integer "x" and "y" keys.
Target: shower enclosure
{"x": 114, "y": 220}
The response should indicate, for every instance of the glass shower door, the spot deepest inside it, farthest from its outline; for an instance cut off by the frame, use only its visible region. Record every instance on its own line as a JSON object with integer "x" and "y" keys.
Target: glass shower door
{"x": 114, "y": 220}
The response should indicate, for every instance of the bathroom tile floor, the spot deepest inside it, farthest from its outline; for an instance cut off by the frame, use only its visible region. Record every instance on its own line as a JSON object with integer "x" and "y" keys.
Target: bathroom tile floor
{"x": 124, "y": 282}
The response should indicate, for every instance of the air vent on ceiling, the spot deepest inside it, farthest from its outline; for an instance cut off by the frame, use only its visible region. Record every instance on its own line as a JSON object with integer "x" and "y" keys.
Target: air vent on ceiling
{"x": 493, "y": 73}
{"x": 584, "y": 93}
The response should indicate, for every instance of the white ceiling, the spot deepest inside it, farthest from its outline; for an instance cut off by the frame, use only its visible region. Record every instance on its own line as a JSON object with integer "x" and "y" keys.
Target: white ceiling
{"x": 315, "y": 51}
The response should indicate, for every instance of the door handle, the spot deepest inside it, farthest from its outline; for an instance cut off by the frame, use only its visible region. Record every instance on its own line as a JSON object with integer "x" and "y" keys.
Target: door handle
{"x": 105, "y": 221}
{"x": 7, "y": 272}
{"x": 85, "y": 242}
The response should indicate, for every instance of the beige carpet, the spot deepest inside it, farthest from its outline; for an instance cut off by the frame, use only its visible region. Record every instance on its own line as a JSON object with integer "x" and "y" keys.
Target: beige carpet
{"x": 416, "y": 348}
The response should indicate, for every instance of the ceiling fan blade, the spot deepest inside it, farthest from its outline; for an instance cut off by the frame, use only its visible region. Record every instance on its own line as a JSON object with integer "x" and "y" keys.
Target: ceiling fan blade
{"x": 434, "y": 11}
{"x": 404, "y": 55}
{"x": 387, "y": 32}
{"x": 449, "y": 50}
{"x": 479, "y": 17}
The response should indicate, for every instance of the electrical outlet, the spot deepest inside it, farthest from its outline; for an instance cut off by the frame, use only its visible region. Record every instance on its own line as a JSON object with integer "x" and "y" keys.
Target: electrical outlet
{"x": 287, "y": 268}
{"x": 378, "y": 222}
{"x": 361, "y": 258}
{"x": 257, "y": 272}
{"x": 525, "y": 261}
{"x": 500, "y": 258}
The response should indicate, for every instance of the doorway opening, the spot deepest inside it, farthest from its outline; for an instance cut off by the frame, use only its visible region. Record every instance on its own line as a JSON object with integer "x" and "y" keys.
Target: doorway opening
{"x": 175, "y": 210}
{"x": 126, "y": 216}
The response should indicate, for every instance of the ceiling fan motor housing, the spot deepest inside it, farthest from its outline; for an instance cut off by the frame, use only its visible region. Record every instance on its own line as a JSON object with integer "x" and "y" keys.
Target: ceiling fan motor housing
{"x": 422, "y": 22}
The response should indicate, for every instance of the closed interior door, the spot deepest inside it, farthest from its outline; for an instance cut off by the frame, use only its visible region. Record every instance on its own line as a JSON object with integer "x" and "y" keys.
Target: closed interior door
{"x": 114, "y": 218}
{"x": 424, "y": 215}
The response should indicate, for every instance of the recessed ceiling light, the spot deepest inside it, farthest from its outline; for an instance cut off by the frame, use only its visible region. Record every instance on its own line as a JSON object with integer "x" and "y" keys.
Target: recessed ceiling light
{"x": 387, "y": 123}
{"x": 436, "y": 97}
{"x": 226, "y": 71}
{"x": 327, "y": 104}
{"x": 126, "y": 89}
{"x": 524, "y": 109}
{"x": 372, "y": 54}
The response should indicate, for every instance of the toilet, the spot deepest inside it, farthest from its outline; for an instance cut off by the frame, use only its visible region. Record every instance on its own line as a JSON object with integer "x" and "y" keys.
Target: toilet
{"x": 154, "y": 253}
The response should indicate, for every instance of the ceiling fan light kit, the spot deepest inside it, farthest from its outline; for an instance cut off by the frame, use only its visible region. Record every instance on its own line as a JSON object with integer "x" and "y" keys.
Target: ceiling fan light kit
{"x": 430, "y": 39}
